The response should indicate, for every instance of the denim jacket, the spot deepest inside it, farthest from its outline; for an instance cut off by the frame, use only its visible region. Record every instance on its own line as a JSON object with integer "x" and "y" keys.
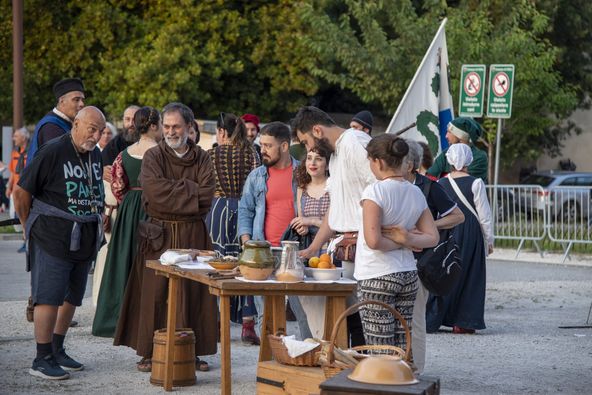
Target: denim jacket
{"x": 251, "y": 207}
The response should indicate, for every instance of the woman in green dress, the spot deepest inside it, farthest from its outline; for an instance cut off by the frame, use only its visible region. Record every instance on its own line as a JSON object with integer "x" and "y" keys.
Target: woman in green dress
{"x": 122, "y": 248}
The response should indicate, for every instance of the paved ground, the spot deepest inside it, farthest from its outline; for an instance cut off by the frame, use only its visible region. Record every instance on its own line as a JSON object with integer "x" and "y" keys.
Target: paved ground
{"x": 522, "y": 351}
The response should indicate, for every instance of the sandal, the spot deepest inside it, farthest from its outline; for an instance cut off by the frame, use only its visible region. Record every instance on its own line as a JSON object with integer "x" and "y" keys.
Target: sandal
{"x": 145, "y": 365}
{"x": 200, "y": 365}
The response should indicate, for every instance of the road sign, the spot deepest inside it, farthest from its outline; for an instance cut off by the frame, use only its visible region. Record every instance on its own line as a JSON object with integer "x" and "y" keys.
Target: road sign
{"x": 501, "y": 84}
{"x": 472, "y": 78}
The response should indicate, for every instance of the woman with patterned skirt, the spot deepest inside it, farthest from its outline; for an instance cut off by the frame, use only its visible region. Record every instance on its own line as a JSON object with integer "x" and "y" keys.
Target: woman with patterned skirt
{"x": 385, "y": 268}
{"x": 233, "y": 159}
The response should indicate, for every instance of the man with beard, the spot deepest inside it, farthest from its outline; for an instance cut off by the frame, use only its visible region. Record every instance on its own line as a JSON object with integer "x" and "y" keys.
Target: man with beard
{"x": 252, "y": 124}
{"x": 267, "y": 205}
{"x": 350, "y": 173}
{"x": 117, "y": 144}
{"x": 177, "y": 180}
{"x": 127, "y": 137}
{"x": 59, "y": 200}
{"x": 69, "y": 94}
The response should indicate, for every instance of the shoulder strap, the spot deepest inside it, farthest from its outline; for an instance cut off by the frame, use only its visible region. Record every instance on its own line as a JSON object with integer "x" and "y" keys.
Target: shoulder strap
{"x": 299, "y": 201}
{"x": 462, "y": 197}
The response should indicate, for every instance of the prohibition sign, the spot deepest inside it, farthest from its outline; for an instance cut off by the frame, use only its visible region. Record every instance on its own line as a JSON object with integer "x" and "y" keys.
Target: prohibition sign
{"x": 472, "y": 84}
{"x": 501, "y": 84}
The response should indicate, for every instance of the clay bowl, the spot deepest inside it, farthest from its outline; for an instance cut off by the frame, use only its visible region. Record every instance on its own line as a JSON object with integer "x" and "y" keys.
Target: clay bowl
{"x": 383, "y": 369}
{"x": 223, "y": 265}
{"x": 255, "y": 274}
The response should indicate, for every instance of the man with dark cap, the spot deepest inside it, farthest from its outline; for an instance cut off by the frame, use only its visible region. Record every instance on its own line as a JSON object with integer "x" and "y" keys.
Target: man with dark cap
{"x": 59, "y": 201}
{"x": 69, "y": 94}
{"x": 467, "y": 131}
{"x": 362, "y": 121}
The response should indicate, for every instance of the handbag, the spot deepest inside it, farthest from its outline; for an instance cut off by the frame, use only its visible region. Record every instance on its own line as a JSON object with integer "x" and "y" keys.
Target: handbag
{"x": 290, "y": 233}
{"x": 345, "y": 250}
{"x": 152, "y": 233}
{"x": 464, "y": 201}
{"x": 439, "y": 268}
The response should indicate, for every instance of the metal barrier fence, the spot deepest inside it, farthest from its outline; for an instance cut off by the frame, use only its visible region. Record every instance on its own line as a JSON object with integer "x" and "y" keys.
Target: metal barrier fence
{"x": 531, "y": 212}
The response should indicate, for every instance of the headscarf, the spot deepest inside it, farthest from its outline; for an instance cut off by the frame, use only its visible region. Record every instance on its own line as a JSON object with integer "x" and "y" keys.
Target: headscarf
{"x": 459, "y": 156}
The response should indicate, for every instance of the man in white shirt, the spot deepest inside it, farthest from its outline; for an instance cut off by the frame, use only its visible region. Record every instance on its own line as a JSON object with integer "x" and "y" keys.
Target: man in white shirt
{"x": 350, "y": 174}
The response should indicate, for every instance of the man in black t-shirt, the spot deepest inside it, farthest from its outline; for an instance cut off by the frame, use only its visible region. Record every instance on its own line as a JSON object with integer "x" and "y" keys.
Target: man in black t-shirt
{"x": 59, "y": 200}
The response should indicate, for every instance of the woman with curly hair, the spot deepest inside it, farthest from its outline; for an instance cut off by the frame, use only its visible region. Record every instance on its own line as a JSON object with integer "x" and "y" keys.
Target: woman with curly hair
{"x": 313, "y": 203}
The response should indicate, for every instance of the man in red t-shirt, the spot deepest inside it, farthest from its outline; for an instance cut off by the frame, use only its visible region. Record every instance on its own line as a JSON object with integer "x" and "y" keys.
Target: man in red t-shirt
{"x": 267, "y": 204}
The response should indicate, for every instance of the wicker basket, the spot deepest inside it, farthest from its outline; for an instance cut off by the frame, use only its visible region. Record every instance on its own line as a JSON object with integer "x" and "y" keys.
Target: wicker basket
{"x": 280, "y": 353}
{"x": 332, "y": 367}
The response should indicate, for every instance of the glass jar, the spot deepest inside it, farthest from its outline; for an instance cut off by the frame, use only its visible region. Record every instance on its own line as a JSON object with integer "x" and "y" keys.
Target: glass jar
{"x": 291, "y": 268}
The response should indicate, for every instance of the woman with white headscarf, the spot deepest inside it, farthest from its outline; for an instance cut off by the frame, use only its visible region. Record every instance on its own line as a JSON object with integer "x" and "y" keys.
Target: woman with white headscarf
{"x": 462, "y": 309}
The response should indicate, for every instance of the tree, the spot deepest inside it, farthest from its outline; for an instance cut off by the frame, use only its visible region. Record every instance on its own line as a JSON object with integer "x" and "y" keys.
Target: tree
{"x": 214, "y": 56}
{"x": 374, "y": 48}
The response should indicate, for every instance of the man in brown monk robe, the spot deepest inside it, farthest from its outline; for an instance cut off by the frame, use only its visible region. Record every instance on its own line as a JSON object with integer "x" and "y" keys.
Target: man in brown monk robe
{"x": 178, "y": 187}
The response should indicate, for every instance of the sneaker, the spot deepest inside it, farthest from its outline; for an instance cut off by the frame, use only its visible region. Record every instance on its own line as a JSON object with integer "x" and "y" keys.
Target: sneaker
{"x": 66, "y": 362}
{"x": 48, "y": 368}
{"x": 22, "y": 250}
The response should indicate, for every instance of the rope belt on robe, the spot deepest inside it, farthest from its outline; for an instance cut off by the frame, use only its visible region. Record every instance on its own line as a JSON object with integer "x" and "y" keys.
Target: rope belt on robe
{"x": 175, "y": 228}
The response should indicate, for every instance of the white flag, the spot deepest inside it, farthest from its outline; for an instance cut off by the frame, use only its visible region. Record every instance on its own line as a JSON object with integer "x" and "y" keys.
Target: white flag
{"x": 428, "y": 101}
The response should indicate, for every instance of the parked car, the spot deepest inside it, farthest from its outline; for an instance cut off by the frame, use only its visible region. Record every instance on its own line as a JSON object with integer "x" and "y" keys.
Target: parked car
{"x": 565, "y": 194}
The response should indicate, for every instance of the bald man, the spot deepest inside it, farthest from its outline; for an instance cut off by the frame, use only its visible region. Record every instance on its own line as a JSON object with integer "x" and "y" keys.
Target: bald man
{"x": 59, "y": 200}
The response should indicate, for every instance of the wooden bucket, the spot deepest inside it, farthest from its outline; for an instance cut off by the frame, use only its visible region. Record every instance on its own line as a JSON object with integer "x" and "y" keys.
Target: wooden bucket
{"x": 183, "y": 358}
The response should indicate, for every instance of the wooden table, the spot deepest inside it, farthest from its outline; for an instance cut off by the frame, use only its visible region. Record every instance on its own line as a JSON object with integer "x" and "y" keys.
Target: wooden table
{"x": 274, "y": 311}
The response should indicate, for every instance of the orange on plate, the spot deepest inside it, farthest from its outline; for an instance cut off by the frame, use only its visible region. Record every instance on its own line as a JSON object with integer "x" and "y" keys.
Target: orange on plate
{"x": 325, "y": 265}
{"x": 314, "y": 262}
{"x": 325, "y": 258}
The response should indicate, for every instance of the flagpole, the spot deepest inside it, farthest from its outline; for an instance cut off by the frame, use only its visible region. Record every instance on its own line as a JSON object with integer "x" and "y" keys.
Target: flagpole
{"x": 417, "y": 72}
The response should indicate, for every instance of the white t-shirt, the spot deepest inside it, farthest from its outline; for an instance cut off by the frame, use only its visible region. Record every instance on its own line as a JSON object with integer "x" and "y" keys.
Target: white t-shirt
{"x": 350, "y": 174}
{"x": 402, "y": 204}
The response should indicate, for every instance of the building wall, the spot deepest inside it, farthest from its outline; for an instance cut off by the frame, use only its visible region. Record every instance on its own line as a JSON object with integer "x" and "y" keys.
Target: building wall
{"x": 576, "y": 148}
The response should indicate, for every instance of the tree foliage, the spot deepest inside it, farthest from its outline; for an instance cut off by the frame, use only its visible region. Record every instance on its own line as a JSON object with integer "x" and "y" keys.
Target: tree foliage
{"x": 212, "y": 55}
{"x": 271, "y": 56}
{"x": 378, "y": 45}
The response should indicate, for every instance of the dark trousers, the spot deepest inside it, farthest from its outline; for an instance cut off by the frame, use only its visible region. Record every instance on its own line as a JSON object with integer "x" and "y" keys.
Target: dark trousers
{"x": 355, "y": 331}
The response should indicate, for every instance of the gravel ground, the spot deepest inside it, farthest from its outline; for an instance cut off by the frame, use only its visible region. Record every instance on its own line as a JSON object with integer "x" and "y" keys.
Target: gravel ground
{"x": 522, "y": 351}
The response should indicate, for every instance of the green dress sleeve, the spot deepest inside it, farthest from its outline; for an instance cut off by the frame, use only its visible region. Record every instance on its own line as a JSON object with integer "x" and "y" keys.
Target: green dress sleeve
{"x": 478, "y": 168}
{"x": 440, "y": 165}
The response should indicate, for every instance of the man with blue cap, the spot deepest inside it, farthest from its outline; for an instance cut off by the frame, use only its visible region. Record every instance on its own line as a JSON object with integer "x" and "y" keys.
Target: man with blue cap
{"x": 466, "y": 131}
